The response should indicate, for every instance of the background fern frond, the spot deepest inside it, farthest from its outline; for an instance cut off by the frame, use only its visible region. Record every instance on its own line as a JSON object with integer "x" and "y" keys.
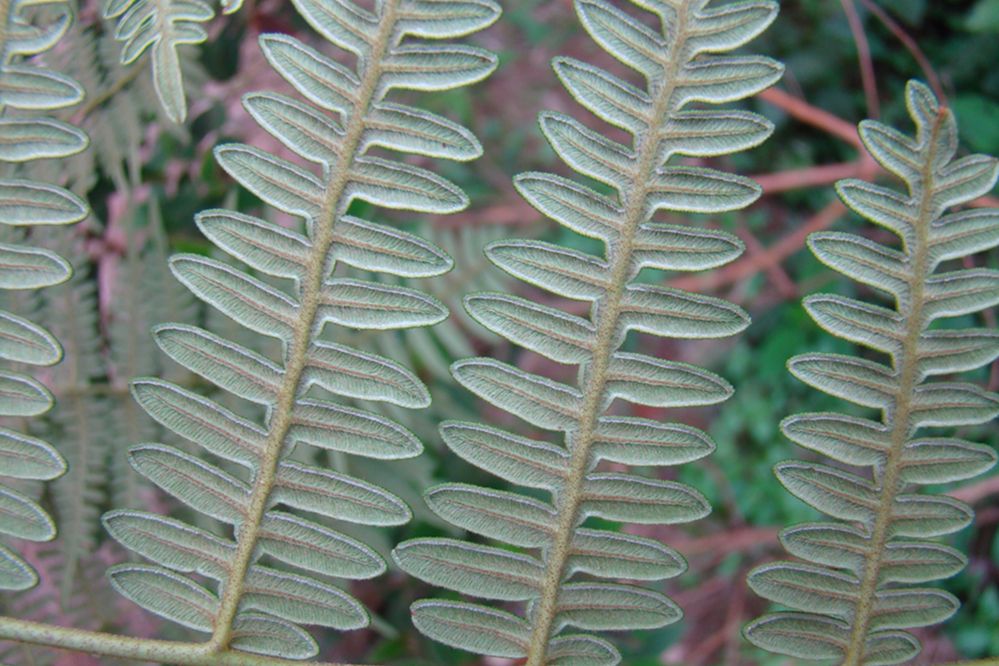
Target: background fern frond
{"x": 157, "y": 29}
{"x": 25, "y": 203}
{"x": 271, "y": 566}
{"x": 77, "y": 426}
{"x": 91, "y": 606}
{"x": 862, "y": 587}
{"x": 143, "y": 292}
{"x": 562, "y": 581}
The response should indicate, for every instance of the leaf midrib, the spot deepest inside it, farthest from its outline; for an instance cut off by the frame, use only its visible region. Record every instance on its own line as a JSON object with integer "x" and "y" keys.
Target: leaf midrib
{"x": 908, "y": 359}
{"x": 609, "y": 309}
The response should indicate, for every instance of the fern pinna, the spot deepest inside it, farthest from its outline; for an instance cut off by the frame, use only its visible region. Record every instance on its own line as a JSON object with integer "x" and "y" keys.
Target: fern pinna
{"x": 853, "y": 600}
{"x": 279, "y": 508}
{"x": 28, "y": 88}
{"x": 682, "y": 66}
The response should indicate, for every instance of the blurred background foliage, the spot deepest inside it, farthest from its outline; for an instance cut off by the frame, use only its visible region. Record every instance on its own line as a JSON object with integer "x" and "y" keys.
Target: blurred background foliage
{"x": 145, "y": 179}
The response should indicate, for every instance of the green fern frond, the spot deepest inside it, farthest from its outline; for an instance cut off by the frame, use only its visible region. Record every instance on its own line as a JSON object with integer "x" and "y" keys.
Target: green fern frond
{"x": 861, "y": 589}
{"x": 132, "y": 354}
{"x": 25, "y": 203}
{"x": 78, "y": 426}
{"x": 144, "y": 293}
{"x": 160, "y": 28}
{"x": 275, "y": 505}
{"x": 682, "y": 65}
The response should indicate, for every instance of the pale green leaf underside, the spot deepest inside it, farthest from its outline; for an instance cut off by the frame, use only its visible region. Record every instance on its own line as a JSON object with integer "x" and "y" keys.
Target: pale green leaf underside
{"x": 852, "y": 601}
{"x": 267, "y": 575}
{"x": 160, "y": 28}
{"x": 29, "y": 90}
{"x": 682, "y": 63}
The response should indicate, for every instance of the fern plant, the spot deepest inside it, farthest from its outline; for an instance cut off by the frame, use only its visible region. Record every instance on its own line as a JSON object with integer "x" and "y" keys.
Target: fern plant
{"x": 76, "y": 428}
{"x": 682, "y": 65}
{"x": 159, "y": 28}
{"x": 25, "y": 137}
{"x": 858, "y": 592}
{"x": 270, "y": 573}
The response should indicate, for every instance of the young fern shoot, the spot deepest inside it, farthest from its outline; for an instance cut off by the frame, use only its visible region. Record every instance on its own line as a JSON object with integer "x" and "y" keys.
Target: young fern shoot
{"x": 278, "y": 508}
{"x": 25, "y": 203}
{"x": 859, "y": 592}
{"x": 682, "y": 65}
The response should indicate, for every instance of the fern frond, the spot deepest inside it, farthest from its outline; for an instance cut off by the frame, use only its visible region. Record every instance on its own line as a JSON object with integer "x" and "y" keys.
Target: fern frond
{"x": 78, "y": 426}
{"x": 276, "y": 505}
{"x": 160, "y": 28}
{"x": 25, "y": 203}
{"x": 862, "y": 589}
{"x": 144, "y": 293}
{"x": 681, "y": 64}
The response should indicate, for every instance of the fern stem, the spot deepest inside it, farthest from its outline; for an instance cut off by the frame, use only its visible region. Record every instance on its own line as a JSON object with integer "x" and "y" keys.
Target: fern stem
{"x": 110, "y": 92}
{"x": 140, "y": 649}
{"x": 900, "y": 416}
{"x": 607, "y": 310}
{"x": 305, "y": 328}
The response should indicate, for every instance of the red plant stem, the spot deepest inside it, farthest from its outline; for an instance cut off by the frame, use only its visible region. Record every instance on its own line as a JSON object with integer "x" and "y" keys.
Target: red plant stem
{"x": 864, "y": 57}
{"x": 796, "y": 179}
{"x": 801, "y": 110}
{"x": 911, "y": 45}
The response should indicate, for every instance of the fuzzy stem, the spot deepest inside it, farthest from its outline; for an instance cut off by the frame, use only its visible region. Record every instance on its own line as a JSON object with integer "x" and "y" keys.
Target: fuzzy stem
{"x": 140, "y": 649}
{"x": 900, "y": 416}
{"x": 318, "y": 267}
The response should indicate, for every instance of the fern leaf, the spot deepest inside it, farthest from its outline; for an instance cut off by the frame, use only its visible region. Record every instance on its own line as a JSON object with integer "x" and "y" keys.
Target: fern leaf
{"x": 275, "y": 505}
{"x": 160, "y": 28}
{"x": 855, "y": 598}
{"x": 681, "y": 65}
{"x": 143, "y": 292}
{"x": 25, "y": 203}
{"x": 77, "y": 425}
{"x": 131, "y": 355}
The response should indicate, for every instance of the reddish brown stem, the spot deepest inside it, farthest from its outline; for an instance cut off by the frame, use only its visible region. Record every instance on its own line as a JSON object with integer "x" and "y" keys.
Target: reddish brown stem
{"x": 796, "y": 179}
{"x": 812, "y": 115}
{"x": 864, "y": 57}
{"x": 911, "y": 46}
